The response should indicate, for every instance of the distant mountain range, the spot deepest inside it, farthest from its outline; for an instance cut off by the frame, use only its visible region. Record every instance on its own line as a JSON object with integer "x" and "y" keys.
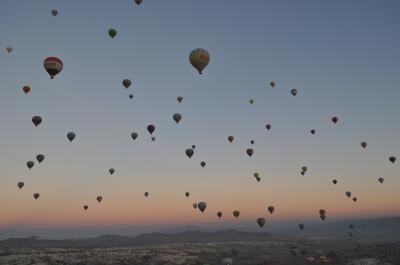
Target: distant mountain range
{"x": 379, "y": 229}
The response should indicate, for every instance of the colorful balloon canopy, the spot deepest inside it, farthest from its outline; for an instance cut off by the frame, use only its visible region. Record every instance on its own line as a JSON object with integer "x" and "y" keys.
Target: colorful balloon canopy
{"x": 53, "y": 66}
{"x": 199, "y": 59}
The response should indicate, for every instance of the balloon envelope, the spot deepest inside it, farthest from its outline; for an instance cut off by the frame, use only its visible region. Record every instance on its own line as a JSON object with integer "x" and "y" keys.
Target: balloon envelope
{"x": 199, "y": 59}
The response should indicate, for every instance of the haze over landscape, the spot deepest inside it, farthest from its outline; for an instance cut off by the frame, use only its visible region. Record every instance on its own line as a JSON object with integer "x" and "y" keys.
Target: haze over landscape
{"x": 308, "y": 91}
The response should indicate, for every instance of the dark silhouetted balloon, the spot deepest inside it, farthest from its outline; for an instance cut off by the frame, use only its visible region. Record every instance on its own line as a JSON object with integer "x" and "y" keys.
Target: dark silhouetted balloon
{"x": 381, "y": 180}
{"x": 195, "y": 205}
{"x": 126, "y": 83}
{"x": 71, "y": 136}
{"x": 30, "y": 164}
{"x": 20, "y": 185}
{"x": 36, "y": 120}
{"x": 202, "y": 206}
{"x": 364, "y": 144}
{"x": 134, "y": 135}
{"x": 112, "y": 33}
{"x": 9, "y": 49}
{"x": 334, "y": 181}
{"x": 271, "y": 209}
{"x": 203, "y": 164}
{"x": 230, "y": 139}
{"x": 392, "y": 159}
{"x": 335, "y": 120}
{"x": 99, "y": 198}
{"x": 250, "y": 152}
{"x": 151, "y": 128}
{"x": 272, "y": 84}
{"x": 189, "y": 152}
{"x": 312, "y": 131}
{"x": 36, "y": 196}
{"x": 146, "y": 194}
{"x": 111, "y": 170}
{"x": 261, "y": 222}
{"x": 179, "y": 99}
{"x": 301, "y": 226}
{"x": 26, "y": 89}
{"x": 219, "y": 214}
{"x": 293, "y": 92}
{"x": 177, "y": 117}
{"x": 236, "y": 214}
{"x": 252, "y": 141}
{"x": 138, "y": 2}
{"x": 85, "y": 207}
{"x": 40, "y": 158}
{"x": 268, "y": 126}
{"x": 348, "y": 194}
{"x": 130, "y": 96}
{"x": 54, "y": 12}
{"x": 187, "y": 194}
{"x": 354, "y": 199}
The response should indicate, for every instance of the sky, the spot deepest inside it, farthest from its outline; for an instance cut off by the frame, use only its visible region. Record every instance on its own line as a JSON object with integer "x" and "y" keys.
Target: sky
{"x": 343, "y": 57}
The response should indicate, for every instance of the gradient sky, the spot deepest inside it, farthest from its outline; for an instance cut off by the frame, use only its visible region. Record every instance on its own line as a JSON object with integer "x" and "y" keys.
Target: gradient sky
{"x": 342, "y": 56}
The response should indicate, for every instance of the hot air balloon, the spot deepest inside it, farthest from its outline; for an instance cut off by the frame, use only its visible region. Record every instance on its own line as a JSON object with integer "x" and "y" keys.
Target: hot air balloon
{"x": 187, "y": 194}
{"x": 99, "y": 198}
{"x": 334, "y": 181}
{"x": 301, "y": 226}
{"x": 348, "y": 194}
{"x": 26, "y": 89}
{"x": 381, "y": 180}
{"x": 251, "y": 101}
{"x": 392, "y": 159}
{"x": 179, "y": 98}
{"x": 252, "y": 142}
{"x": 134, "y": 135}
{"x": 54, "y": 12}
{"x": 230, "y": 139}
{"x": 322, "y": 212}
{"x": 227, "y": 261}
{"x": 131, "y": 96}
{"x": 146, "y": 194}
{"x": 153, "y": 138}
{"x": 85, "y": 207}
{"x": 36, "y": 196}
{"x": 335, "y": 120}
{"x": 312, "y": 131}
{"x": 30, "y": 164}
{"x": 126, "y": 83}
{"x": 364, "y": 144}
{"x": 112, "y": 33}
{"x": 9, "y": 49}
{"x": 193, "y": 147}
{"x": 195, "y": 205}
{"x": 293, "y": 92}
{"x": 53, "y": 66}
{"x": 199, "y": 59}
{"x": 138, "y": 2}
{"x": 36, "y": 120}
{"x": 354, "y": 199}
{"x": 249, "y": 152}
{"x": 261, "y": 222}
{"x": 219, "y": 214}
{"x": 256, "y": 174}
{"x": 268, "y": 126}
{"x": 272, "y": 84}
{"x": 20, "y": 185}
{"x": 177, "y": 117}
{"x": 151, "y": 128}
{"x": 203, "y": 163}
{"x": 304, "y": 169}
{"x": 71, "y": 136}
{"x": 236, "y": 214}
{"x": 111, "y": 170}
{"x": 189, "y": 152}
{"x": 271, "y": 209}
{"x": 40, "y": 158}
{"x": 202, "y": 206}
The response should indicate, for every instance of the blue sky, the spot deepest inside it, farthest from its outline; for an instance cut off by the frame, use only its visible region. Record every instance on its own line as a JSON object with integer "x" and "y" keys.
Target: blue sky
{"x": 342, "y": 56}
